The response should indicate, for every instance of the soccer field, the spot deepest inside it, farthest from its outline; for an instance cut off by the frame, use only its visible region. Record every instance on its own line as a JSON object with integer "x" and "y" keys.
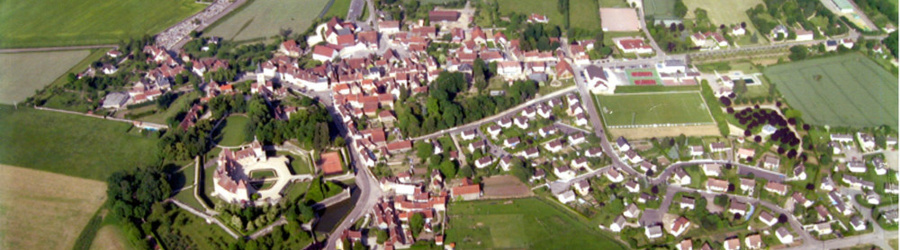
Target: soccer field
{"x": 264, "y": 18}
{"x": 636, "y": 110}
{"x": 65, "y": 22}
{"x": 531, "y": 223}
{"x": 846, "y": 90}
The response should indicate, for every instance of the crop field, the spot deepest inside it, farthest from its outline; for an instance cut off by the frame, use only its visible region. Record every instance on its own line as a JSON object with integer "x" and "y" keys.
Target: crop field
{"x": 847, "y": 90}
{"x": 659, "y": 9}
{"x": 585, "y": 14}
{"x": 71, "y": 144}
{"x": 264, "y": 18}
{"x": 530, "y": 223}
{"x": 43, "y": 210}
{"x": 23, "y": 73}
{"x": 65, "y": 23}
{"x": 233, "y": 131}
{"x": 626, "y": 110}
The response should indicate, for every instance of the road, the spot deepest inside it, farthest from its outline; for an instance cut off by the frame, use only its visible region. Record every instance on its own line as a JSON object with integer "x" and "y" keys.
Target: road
{"x": 62, "y": 48}
{"x": 356, "y": 10}
{"x": 743, "y": 169}
{"x": 511, "y": 111}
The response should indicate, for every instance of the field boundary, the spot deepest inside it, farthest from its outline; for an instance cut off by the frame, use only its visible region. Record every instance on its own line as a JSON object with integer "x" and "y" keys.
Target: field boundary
{"x": 710, "y": 119}
{"x": 662, "y": 125}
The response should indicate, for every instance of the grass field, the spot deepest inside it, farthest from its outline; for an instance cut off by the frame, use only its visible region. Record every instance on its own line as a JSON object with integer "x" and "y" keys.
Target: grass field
{"x": 339, "y": 9}
{"x": 614, "y": 4}
{"x": 530, "y": 223}
{"x": 71, "y": 144}
{"x": 264, "y": 18}
{"x": 65, "y": 23}
{"x": 723, "y": 11}
{"x": 232, "y": 132}
{"x": 299, "y": 164}
{"x": 846, "y": 90}
{"x": 109, "y": 238}
{"x": 661, "y": 108}
{"x": 585, "y": 14}
{"x": 43, "y": 210}
{"x": 659, "y": 9}
{"x": 23, "y": 73}
{"x": 181, "y": 104}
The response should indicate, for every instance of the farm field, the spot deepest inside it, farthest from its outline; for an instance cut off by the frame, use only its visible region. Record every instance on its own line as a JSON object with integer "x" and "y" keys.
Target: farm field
{"x": 233, "y": 131}
{"x": 50, "y": 209}
{"x": 659, "y": 108}
{"x": 847, "y": 90}
{"x": 71, "y": 144}
{"x": 339, "y": 9}
{"x": 23, "y": 73}
{"x": 68, "y": 23}
{"x": 584, "y": 14}
{"x": 498, "y": 224}
{"x": 264, "y": 18}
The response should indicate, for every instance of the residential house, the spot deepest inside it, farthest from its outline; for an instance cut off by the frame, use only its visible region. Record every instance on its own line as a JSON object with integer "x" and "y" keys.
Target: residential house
{"x": 856, "y": 166}
{"x": 521, "y": 122}
{"x": 822, "y": 213}
{"x": 484, "y": 162}
{"x": 539, "y": 174}
{"x": 804, "y": 35}
{"x": 681, "y": 177}
{"x": 716, "y": 147}
{"x": 712, "y": 170}
{"x": 733, "y": 244}
{"x": 594, "y": 152}
{"x": 468, "y": 135}
{"x": 633, "y": 157}
{"x": 632, "y": 211}
{"x": 614, "y": 176}
{"x": 685, "y": 244}
{"x": 737, "y": 207}
{"x": 696, "y": 150}
{"x": 767, "y": 218}
{"x": 576, "y": 138}
{"x": 800, "y": 199}
{"x": 842, "y": 138}
{"x": 632, "y": 186}
{"x": 618, "y": 224}
{"x": 553, "y": 146}
{"x": 716, "y": 185}
{"x": 511, "y": 142}
{"x": 857, "y": 223}
{"x": 784, "y": 236}
{"x": 747, "y": 185}
{"x": 653, "y": 232}
{"x": 686, "y": 202}
{"x": 466, "y": 192}
{"x": 564, "y": 172}
{"x": 597, "y": 80}
{"x": 494, "y": 131}
{"x": 679, "y": 226}
{"x": 622, "y": 144}
{"x": 530, "y": 153}
{"x": 566, "y": 197}
{"x": 753, "y": 241}
{"x": 580, "y": 163}
{"x": 506, "y": 162}
{"x": 823, "y": 228}
{"x": 746, "y": 153}
{"x": 800, "y": 172}
{"x": 583, "y": 187}
{"x": 771, "y": 161}
{"x": 866, "y": 141}
{"x": 776, "y": 188}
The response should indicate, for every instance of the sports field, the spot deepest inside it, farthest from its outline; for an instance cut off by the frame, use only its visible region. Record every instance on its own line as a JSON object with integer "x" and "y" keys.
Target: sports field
{"x": 846, "y": 90}
{"x": 584, "y": 14}
{"x": 23, "y": 73}
{"x": 233, "y": 131}
{"x": 64, "y": 22}
{"x": 654, "y": 108}
{"x": 43, "y": 210}
{"x": 659, "y": 9}
{"x": 643, "y": 77}
{"x": 531, "y": 223}
{"x": 264, "y": 18}
{"x": 70, "y": 144}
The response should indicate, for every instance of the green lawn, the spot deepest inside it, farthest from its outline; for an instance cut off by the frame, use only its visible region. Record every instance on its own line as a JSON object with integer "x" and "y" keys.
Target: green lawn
{"x": 66, "y": 23}
{"x": 531, "y": 223}
{"x": 614, "y": 4}
{"x": 23, "y": 73}
{"x": 183, "y": 103}
{"x": 299, "y": 164}
{"x": 71, "y": 144}
{"x": 232, "y": 131}
{"x": 846, "y": 90}
{"x": 339, "y": 9}
{"x": 262, "y": 174}
{"x": 264, "y": 18}
{"x": 585, "y": 14}
{"x": 658, "y": 108}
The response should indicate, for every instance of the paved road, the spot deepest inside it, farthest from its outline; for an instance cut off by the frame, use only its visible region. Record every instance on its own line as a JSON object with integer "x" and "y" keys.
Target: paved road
{"x": 356, "y": 10}
{"x": 62, "y": 48}
{"x": 511, "y": 111}
{"x": 743, "y": 169}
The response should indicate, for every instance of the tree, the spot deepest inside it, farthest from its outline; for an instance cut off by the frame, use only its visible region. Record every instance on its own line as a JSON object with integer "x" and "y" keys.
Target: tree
{"x": 448, "y": 169}
{"x": 798, "y": 52}
{"x": 424, "y": 150}
{"x": 416, "y": 223}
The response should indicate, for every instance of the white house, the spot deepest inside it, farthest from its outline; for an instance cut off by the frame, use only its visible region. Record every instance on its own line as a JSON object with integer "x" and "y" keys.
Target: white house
{"x": 597, "y": 81}
{"x": 566, "y": 197}
{"x": 632, "y": 211}
{"x": 484, "y": 162}
{"x": 583, "y": 187}
{"x": 653, "y": 232}
{"x": 564, "y": 172}
{"x": 614, "y": 175}
{"x": 712, "y": 169}
{"x": 618, "y": 224}
{"x": 784, "y": 236}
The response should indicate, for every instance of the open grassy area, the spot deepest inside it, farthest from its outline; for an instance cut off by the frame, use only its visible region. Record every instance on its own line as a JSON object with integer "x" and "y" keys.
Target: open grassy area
{"x": 65, "y": 23}
{"x": 109, "y": 237}
{"x": 585, "y": 14}
{"x": 300, "y": 164}
{"x": 339, "y": 9}
{"x": 264, "y": 18}
{"x": 23, "y": 73}
{"x": 846, "y": 90}
{"x": 71, "y": 144}
{"x": 659, "y": 108}
{"x": 723, "y": 11}
{"x": 531, "y": 223}
{"x": 614, "y": 4}
{"x": 183, "y": 103}
{"x": 659, "y": 9}
{"x": 43, "y": 210}
{"x": 232, "y": 131}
